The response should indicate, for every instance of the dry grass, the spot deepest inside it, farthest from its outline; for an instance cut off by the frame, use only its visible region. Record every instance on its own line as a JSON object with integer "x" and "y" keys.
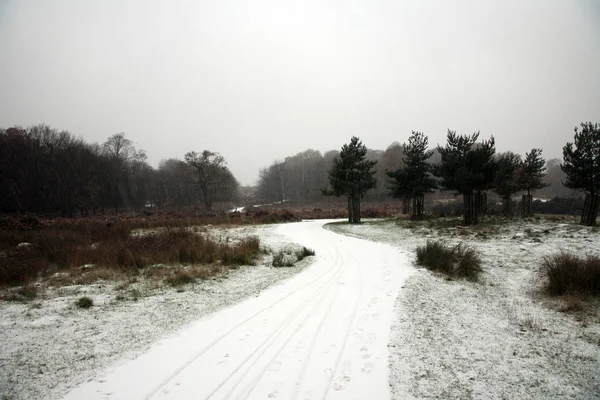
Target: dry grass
{"x": 111, "y": 252}
{"x": 573, "y": 304}
{"x": 457, "y": 261}
{"x": 288, "y": 257}
{"x": 22, "y": 294}
{"x": 568, "y": 273}
{"x": 84, "y": 302}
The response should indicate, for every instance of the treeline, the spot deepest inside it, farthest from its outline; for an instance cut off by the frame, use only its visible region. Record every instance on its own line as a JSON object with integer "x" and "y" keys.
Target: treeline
{"x": 300, "y": 178}
{"x": 470, "y": 168}
{"x": 44, "y": 170}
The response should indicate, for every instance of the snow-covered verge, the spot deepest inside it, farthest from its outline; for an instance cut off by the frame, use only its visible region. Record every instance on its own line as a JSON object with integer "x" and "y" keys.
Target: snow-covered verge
{"x": 500, "y": 338}
{"x": 49, "y": 345}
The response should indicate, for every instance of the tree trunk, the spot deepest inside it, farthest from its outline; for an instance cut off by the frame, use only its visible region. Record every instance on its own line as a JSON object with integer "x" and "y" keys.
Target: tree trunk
{"x": 350, "y": 209}
{"x": 590, "y": 209}
{"x": 480, "y": 203}
{"x": 470, "y": 209}
{"x": 484, "y": 204}
{"x": 405, "y": 205}
{"x": 357, "y": 210}
{"x": 526, "y": 201}
{"x": 208, "y": 204}
{"x": 206, "y": 197}
{"x": 585, "y": 211}
{"x": 506, "y": 206}
{"x": 418, "y": 201}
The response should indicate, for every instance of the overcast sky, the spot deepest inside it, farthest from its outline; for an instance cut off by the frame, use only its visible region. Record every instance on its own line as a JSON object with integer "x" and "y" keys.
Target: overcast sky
{"x": 260, "y": 80}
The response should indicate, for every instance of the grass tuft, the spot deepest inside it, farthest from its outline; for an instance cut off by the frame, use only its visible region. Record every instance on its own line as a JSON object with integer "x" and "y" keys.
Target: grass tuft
{"x": 85, "y": 302}
{"x": 568, "y": 273}
{"x": 284, "y": 258}
{"x": 305, "y": 252}
{"x": 180, "y": 278}
{"x": 23, "y": 294}
{"x": 457, "y": 261}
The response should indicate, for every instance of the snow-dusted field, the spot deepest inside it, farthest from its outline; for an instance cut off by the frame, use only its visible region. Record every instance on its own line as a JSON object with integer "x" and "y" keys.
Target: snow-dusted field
{"x": 49, "y": 345}
{"x": 500, "y": 338}
{"x": 323, "y": 333}
{"x": 338, "y": 329}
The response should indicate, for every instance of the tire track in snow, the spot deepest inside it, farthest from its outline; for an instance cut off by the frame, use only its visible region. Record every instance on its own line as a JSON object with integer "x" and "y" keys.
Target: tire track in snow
{"x": 226, "y": 334}
{"x": 348, "y": 330}
{"x": 248, "y": 392}
{"x": 302, "y": 338}
{"x": 321, "y": 292}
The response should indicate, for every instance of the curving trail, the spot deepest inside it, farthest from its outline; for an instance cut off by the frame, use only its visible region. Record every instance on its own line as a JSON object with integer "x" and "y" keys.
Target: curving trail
{"x": 322, "y": 334}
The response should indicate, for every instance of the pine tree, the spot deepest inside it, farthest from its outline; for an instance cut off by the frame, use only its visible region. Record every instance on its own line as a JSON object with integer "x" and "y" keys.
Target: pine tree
{"x": 468, "y": 168}
{"x": 581, "y": 163}
{"x": 505, "y": 183}
{"x": 400, "y": 187}
{"x": 414, "y": 180}
{"x": 352, "y": 175}
{"x": 530, "y": 177}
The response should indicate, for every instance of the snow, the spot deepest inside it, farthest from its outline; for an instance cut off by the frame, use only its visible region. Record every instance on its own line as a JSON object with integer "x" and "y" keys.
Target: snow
{"x": 355, "y": 321}
{"x": 321, "y": 334}
{"x": 499, "y": 338}
{"x": 49, "y": 345}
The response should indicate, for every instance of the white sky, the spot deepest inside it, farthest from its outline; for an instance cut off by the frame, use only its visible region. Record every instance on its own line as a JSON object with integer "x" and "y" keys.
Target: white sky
{"x": 260, "y": 80}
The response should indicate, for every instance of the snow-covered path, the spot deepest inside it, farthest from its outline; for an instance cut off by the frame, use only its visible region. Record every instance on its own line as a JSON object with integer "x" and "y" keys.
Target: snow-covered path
{"x": 321, "y": 334}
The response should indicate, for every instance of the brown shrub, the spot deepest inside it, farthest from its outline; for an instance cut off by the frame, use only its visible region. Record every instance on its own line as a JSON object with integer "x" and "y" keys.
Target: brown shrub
{"x": 568, "y": 273}
{"x": 459, "y": 261}
{"x": 114, "y": 247}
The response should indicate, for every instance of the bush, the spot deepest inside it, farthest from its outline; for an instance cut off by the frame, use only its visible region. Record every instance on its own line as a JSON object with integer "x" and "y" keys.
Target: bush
{"x": 243, "y": 253}
{"x": 85, "y": 302}
{"x": 113, "y": 247}
{"x": 24, "y": 294}
{"x": 458, "y": 261}
{"x": 570, "y": 274}
{"x": 284, "y": 258}
{"x": 305, "y": 252}
{"x": 180, "y": 278}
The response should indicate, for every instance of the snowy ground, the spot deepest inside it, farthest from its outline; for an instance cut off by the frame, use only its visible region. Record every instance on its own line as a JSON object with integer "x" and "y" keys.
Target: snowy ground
{"x": 501, "y": 338}
{"x": 49, "y": 345}
{"x": 321, "y": 334}
{"x": 324, "y": 332}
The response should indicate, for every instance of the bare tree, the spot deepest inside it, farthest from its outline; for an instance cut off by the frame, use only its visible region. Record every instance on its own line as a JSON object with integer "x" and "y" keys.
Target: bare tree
{"x": 212, "y": 177}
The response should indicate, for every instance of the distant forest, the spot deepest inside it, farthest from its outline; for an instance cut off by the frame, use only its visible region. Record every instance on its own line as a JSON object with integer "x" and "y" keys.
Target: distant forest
{"x": 301, "y": 177}
{"x": 47, "y": 171}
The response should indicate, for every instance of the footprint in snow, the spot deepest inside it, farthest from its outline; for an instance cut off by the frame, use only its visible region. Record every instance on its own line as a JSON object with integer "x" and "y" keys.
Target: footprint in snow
{"x": 365, "y": 353}
{"x": 367, "y": 368}
{"x": 329, "y": 348}
{"x": 338, "y": 386}
{"x": 276, "y": 365}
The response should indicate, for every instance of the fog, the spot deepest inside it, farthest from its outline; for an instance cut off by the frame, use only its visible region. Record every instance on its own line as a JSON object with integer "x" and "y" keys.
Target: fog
{"x": 261, "y": 80}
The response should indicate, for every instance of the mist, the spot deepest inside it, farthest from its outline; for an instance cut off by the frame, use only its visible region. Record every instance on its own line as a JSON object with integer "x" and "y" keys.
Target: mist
{"x": 258, "y": 81}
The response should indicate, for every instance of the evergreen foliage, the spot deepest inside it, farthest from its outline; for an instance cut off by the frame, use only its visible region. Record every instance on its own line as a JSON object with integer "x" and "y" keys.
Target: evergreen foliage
{"x": 352, "y": 175}
{"x": 414, "y": 179}
{"x": 467, "y": 168}
{"x": 530, "y": 177}
{"x": 505, "y": 182}
{"x": 581, "y": 164}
